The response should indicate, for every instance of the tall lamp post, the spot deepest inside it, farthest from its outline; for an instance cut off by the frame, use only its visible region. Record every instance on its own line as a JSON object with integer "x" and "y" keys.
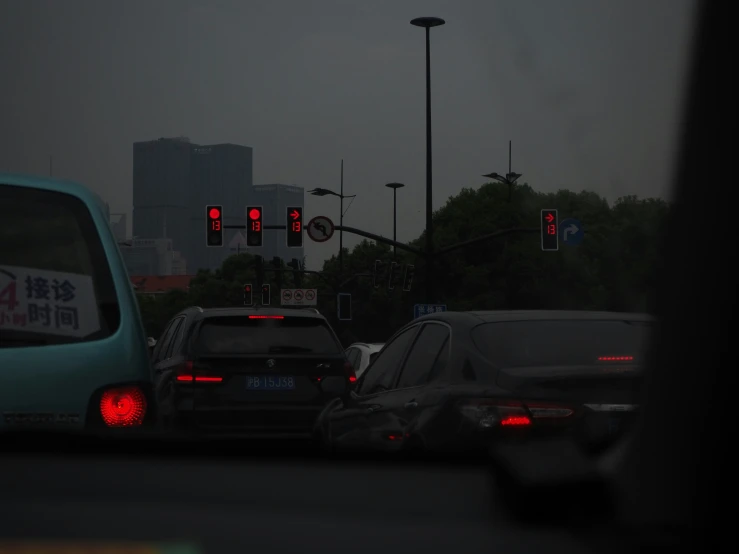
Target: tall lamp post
{"x": 395, "y": 187}
{"x": 509, "y": 178}
{"x": 427, "y": 23}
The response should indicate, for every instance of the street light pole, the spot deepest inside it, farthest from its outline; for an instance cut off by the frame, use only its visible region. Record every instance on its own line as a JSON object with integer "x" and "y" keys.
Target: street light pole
{"x": 427, "y": 23}
{"x": 510, "y": 178}
{"x": 395, "y": 187}
{"x": 341, "y": 222}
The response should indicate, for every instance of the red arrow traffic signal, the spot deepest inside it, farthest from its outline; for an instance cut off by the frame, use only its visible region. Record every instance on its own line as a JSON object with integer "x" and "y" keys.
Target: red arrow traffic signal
{"x": 295, "y": 214}
{"x": 550, "y": 217}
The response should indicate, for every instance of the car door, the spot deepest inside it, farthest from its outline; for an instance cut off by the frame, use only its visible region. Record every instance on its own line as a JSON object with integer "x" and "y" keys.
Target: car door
{"x": 349, "y": 424}
{"x": 402, "y": 411}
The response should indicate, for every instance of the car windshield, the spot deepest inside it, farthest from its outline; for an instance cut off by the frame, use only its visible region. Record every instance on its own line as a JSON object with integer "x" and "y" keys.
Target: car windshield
{"x": 256, "y": 335}
{"x": 512, "y": 344}
{"x": 55, "y": 285}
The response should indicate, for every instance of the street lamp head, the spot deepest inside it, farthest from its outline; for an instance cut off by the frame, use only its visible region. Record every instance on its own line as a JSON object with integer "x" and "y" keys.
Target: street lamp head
{"x": 395, "y": 185}
{"x": 321, "y": 192}
{"x": 428, "y": 22}
{"x": 492, "y": 176}
{"x": 512, "y": 177}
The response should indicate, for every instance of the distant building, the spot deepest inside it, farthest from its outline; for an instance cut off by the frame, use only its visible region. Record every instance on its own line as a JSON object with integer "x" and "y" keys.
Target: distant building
{"x": 152, "y": 257}
{"x": 173, "y": 181}
{"x": 275, "y": 199}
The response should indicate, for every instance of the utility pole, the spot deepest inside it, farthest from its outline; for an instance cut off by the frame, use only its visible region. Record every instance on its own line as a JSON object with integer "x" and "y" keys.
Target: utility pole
{"x": 341, "y": 222}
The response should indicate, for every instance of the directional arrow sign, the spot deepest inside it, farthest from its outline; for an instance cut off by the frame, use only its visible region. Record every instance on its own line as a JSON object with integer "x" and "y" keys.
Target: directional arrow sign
{"x": 571, "y": 232}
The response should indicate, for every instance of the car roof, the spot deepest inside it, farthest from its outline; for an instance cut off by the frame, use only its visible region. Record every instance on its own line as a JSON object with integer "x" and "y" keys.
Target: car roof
{"x": 53, "y": 185}
{"x": 496, "y": 316}
{"x": 241, "y": 311}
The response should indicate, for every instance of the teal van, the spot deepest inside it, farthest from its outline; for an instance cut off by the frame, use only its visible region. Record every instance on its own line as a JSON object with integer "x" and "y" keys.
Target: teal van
{"x": 73, "y": 353}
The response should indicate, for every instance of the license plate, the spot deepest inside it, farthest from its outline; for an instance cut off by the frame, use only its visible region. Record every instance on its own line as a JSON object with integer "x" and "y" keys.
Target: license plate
{"x": 270, "y": 382}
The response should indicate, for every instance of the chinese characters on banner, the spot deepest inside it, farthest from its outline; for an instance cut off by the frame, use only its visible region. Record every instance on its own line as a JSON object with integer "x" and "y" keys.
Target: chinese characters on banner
{"x": 49, "y": 302}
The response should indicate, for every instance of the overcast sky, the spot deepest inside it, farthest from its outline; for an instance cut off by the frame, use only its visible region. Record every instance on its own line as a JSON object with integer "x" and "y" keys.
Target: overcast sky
{"x": 589, "y": 91}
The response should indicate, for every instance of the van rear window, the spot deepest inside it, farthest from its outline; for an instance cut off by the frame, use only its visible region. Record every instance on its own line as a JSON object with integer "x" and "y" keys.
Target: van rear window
{"x": 55, "y": 283}
{"x": 242, "y": 335}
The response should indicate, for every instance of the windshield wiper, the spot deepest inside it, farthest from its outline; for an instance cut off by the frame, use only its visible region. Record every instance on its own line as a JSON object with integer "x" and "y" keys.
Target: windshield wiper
{"x": 288, "y": 349}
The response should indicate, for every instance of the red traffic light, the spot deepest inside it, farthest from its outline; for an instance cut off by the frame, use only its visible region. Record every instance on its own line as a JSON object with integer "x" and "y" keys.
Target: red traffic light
{"x": 247, "y": 288}
{"x": 255, "y": 213}
{"x": 214, "y": 213}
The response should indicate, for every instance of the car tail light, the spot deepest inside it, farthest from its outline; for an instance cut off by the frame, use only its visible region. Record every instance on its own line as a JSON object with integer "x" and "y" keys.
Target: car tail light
{"x": 349, "y": 372}
{"x": 188, "y": 374}
{"x": 490, "y": 412}
{"x": 123, "y": 407}
{"x": 487, "y": 413}
{"x": 266, "y": 317}
{"x": 615, "y": 358}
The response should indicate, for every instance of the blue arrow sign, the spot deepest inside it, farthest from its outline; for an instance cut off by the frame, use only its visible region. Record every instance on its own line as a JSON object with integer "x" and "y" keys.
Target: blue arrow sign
{"x": 425, "y": 309}
{"x": 571, "y": 232}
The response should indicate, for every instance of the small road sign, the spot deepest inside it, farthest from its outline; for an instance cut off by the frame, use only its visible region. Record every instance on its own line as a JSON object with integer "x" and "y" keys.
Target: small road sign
{"x": 298, "y": 297}
{"x": 571, "y": 232}
{"x": 425, "y": 309}
{"x": 320, "y": 228}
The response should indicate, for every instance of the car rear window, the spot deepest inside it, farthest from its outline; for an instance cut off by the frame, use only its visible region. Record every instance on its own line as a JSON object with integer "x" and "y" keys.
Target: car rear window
{"x": 244, "y": 335}
{"x": 55, "y": 282}
{"x": 513, "y": 344}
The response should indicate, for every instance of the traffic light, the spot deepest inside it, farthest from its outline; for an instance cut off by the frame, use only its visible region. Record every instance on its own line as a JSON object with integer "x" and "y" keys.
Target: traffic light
{"x": 297, "y": 273}
{"x": 248, "y": 296}
{"x": 344, "y": 304}
{"x": 549, "y": 230}
{"x": 410, "y": 272}
{"x": 392, "y": 276}
{"x": 254, "y": 226}
{"x": 294, "y": 228}
{"x": 265, "y": 295}
{"x": 378, "y": 273}
{"x": 214, "y": 226}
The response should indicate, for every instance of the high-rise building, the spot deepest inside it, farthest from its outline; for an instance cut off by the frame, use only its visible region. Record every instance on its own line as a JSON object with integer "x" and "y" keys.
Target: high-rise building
{"x": 275, "y": 199}
{"x": 173, "y": 181}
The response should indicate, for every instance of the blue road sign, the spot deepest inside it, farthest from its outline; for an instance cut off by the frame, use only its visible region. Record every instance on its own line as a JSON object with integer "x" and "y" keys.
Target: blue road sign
{"x": 424, "y": 309}
{"x": 571, "y": 232}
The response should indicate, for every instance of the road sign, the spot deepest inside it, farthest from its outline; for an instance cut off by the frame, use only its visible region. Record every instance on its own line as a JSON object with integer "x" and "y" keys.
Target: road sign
{"x": 294, "y": 228}
{"x": 549, "y": 230}
{"x": 344, "y": 306}
{"x": 298, "y": 297}
{"x": 571, "y": 231}
{"x": 424, "y": 309}
{"x": 320, "y": 228}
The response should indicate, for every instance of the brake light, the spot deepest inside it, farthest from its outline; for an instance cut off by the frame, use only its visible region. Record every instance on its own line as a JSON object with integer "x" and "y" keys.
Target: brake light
{"x": 266, "y": 317}
{"x": 123, "y": 407}
{"x": 188, "y": 375}
{"x": 349, "y": 372}
{"x": 489, "y": 412}
{"x": 615, "y": 358}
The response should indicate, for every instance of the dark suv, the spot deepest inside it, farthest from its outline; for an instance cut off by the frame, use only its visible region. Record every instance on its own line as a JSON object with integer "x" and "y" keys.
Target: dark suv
{"x": 248, "y": 372}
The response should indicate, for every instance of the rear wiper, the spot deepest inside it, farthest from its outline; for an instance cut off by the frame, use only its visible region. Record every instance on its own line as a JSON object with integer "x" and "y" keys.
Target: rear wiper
{"x": 288, "y": 349}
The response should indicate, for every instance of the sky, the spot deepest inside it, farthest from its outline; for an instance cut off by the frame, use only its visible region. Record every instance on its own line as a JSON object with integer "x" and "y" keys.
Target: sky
{"x": 588, "y": 91}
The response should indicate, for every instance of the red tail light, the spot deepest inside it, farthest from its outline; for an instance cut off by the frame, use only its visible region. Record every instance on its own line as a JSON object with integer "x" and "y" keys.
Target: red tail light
{"x": 490, "y": 412}
{"x": 123, "y": 407}
{"x": 266, "y": 317}
{"x": 349, "y": 371}
{"x": 615, "y": 358}
{"x": 188, "y": 375}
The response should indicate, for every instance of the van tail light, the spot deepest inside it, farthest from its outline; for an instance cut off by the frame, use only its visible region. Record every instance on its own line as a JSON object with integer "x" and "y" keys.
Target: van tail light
{"x": 188, "y": 374}
{"x": 487, "y": 413}
{"x": 351, "y": 376}
{"x": 123, "y": 407}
